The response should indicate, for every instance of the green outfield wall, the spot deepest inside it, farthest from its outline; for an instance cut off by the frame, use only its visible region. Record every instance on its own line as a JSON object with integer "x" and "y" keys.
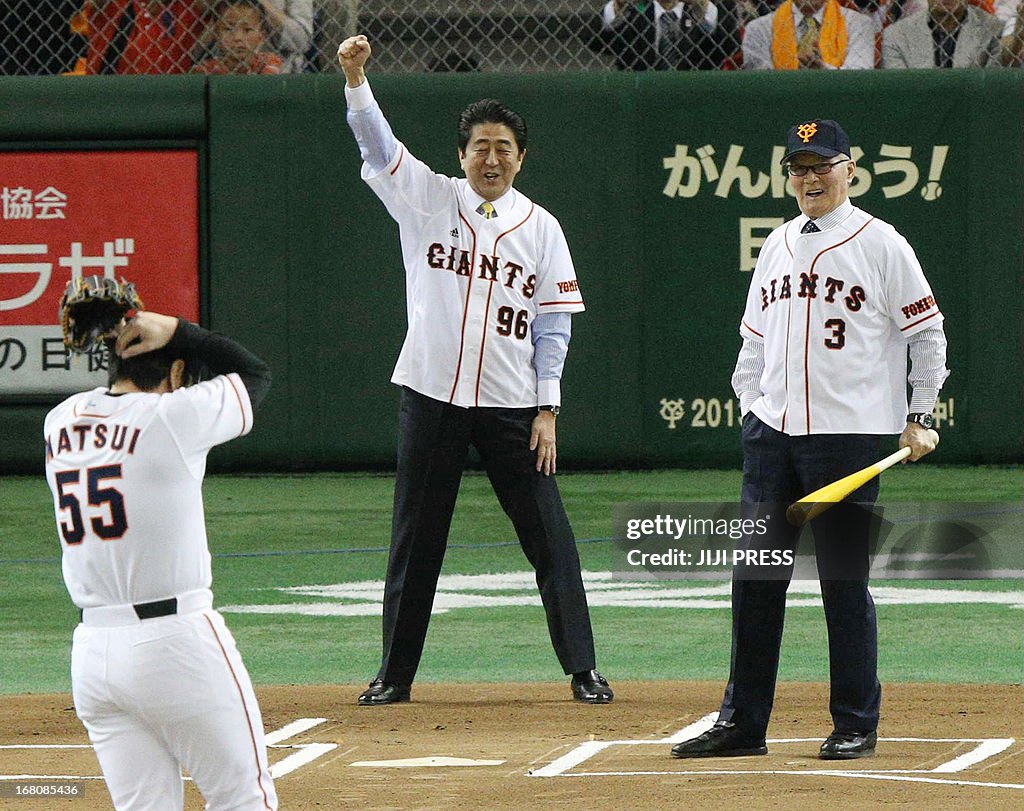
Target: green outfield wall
{"x": 665, "y": 185}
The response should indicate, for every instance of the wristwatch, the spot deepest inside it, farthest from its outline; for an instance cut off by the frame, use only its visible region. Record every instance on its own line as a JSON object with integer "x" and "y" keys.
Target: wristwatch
{"x": 552, "y": 408}
{"x": 922, "y": 419}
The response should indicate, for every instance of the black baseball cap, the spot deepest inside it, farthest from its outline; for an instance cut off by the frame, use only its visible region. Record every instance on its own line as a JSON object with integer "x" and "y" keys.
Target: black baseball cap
{"x": 821, "y": 136}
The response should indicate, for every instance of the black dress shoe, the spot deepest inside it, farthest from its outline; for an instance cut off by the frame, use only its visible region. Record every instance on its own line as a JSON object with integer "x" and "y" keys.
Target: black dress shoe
{"x": 848, "y": 745}
{"x": 724, "y": 739}
{"x": 381, "y": 692}
{"x": 591, "y": 687}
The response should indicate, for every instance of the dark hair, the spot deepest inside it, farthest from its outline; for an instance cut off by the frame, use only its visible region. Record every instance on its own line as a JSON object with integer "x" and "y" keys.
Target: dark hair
{"x": 146, "y": 371}
{"x": 489, "y": 111}
{"x": 255, "y": 5}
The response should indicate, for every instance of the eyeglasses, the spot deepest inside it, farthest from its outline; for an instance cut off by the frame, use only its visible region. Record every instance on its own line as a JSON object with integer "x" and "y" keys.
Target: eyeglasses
{"x": 799, "y": 170}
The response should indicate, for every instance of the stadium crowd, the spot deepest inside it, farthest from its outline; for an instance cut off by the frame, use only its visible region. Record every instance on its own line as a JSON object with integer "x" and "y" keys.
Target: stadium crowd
{"x": 83, "y": 37}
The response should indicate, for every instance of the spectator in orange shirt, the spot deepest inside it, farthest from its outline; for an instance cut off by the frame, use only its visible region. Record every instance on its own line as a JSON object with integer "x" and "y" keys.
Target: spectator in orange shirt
{"x": 242, "y": 32}
{"x": 142, "y": 36}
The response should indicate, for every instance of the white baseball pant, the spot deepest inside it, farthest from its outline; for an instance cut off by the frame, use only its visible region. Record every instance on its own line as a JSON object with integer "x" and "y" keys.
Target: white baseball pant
{"x": 160, "y": 694}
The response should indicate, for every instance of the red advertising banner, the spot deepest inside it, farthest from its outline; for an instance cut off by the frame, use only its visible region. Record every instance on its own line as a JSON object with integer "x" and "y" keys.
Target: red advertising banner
{"x": 120, "y": 214}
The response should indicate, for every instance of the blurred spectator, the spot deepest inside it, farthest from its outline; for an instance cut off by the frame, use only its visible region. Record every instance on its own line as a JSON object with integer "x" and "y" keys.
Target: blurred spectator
{"x": 242, "y": 31}
{"x": 1006, "y": 11}
{"x": 36, "y": 37}
{"x": 949, "y": 34}
{"x": 880, "y": 13}
{"x": 877, "y": 10}
{"x": 1013, "y": 39}
{"x": 142, "y": 36}
{"x": 733, "y": 15}
{"x": 663, "y": 35}
{"x": 898, "y": 9}
{"x": 809, "y": 34}
{"x": 291, "y": 27}
{"x": 885, "y": 12}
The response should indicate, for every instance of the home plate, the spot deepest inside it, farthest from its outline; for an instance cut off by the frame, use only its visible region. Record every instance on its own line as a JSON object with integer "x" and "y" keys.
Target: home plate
{"x": 425, "y": 762}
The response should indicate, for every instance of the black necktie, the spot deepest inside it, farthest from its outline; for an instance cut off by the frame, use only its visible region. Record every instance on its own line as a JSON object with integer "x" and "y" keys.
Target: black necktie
{"x": 809, "y": 228}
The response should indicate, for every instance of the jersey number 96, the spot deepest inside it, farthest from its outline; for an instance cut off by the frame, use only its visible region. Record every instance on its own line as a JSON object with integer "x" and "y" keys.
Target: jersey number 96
{"x": 511, "y": 322}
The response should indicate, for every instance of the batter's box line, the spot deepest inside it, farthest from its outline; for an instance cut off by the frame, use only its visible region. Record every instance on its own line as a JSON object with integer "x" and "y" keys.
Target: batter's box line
{"x": 986, "y": 748}
{"x": 305, "y": 752}
{"x": 905, "y": 776}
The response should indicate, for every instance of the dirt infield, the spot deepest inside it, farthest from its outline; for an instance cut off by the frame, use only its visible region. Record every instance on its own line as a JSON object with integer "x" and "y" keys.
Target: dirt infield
{"x": 529, "y": 746}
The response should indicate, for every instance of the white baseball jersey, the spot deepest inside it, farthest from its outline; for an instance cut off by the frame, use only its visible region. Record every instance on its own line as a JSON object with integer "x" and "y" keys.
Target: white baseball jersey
{"x": 473, "y": 285}
{"x": 834, "y": 310}
{"x": 126, "y": 474}
{"x": 171, "y": 691}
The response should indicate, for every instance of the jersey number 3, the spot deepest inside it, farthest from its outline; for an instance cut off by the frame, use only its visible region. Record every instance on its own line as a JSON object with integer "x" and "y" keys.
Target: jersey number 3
{"x": 110, "y": 523}
{"x": 838, "y": 338}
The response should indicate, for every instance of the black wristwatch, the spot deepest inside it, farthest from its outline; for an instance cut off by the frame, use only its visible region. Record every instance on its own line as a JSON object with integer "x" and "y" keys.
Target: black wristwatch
{"x": 922, "y": 419}
{"x": 553, "y": 409}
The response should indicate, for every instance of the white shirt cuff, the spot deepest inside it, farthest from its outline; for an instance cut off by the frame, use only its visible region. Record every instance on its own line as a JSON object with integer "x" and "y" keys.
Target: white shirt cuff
{"x": 922, "y": 400}
{"x": 359, "y": 98}
{"x": 549, "y": 392}
{"x": 747, "y": 399}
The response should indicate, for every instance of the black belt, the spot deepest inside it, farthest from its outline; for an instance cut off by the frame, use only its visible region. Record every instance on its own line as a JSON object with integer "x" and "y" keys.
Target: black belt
{"x": 161, "y": 608}
{"x": 148, "y": 611}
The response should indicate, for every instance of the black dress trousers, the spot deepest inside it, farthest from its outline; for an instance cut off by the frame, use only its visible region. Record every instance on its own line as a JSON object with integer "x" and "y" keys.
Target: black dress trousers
{"x": 777, "y": 470}
{"x": 434, "y": 440}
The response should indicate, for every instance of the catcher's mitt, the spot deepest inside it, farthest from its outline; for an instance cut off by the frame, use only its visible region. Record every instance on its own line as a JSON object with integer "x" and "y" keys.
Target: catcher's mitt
{"x": 92, "y": 307}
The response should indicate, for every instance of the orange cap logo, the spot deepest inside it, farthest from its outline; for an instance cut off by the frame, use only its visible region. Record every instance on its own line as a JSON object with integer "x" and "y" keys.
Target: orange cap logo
{"x": 806, "y": 131}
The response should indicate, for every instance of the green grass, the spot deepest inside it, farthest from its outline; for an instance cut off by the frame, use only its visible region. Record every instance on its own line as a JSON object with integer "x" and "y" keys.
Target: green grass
{"x": 332, "y": 528}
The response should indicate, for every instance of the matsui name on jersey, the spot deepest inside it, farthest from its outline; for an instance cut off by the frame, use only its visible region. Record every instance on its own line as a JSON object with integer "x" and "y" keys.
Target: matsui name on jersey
{"x": 491, "y": 268}
{"x": 782, "y": 289}
{"x": 98, "y": 435}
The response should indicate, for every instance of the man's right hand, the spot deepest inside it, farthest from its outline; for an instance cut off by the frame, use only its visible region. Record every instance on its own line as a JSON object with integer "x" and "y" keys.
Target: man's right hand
{"x": 352, "y": 55}
{"x": 144, "y": 333}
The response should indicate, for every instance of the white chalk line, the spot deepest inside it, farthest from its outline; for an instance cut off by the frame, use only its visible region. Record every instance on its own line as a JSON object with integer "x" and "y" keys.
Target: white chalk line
{"x": 50, "y": 777}
{"x": 986, "y": 748}
{"x": 296, "y": 727}
{"x": 587, "y": 750}
{"x": 581, "y": 753}
{"x": 693, "y": 730}
{"x": 903, "y": 777}
{"x": 457, "y": 592}
{"x": 306, "y": 752}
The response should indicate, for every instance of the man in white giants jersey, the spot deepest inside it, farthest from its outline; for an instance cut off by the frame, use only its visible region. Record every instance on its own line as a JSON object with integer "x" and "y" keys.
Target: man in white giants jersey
{"x": 156, "y": 677}
{"x": 490, "y": 290}
{"x": 836, "y": 301}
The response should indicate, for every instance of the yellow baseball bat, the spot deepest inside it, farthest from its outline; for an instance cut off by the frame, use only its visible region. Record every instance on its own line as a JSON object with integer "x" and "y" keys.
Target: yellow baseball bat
{"x": 814, "y": 504}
